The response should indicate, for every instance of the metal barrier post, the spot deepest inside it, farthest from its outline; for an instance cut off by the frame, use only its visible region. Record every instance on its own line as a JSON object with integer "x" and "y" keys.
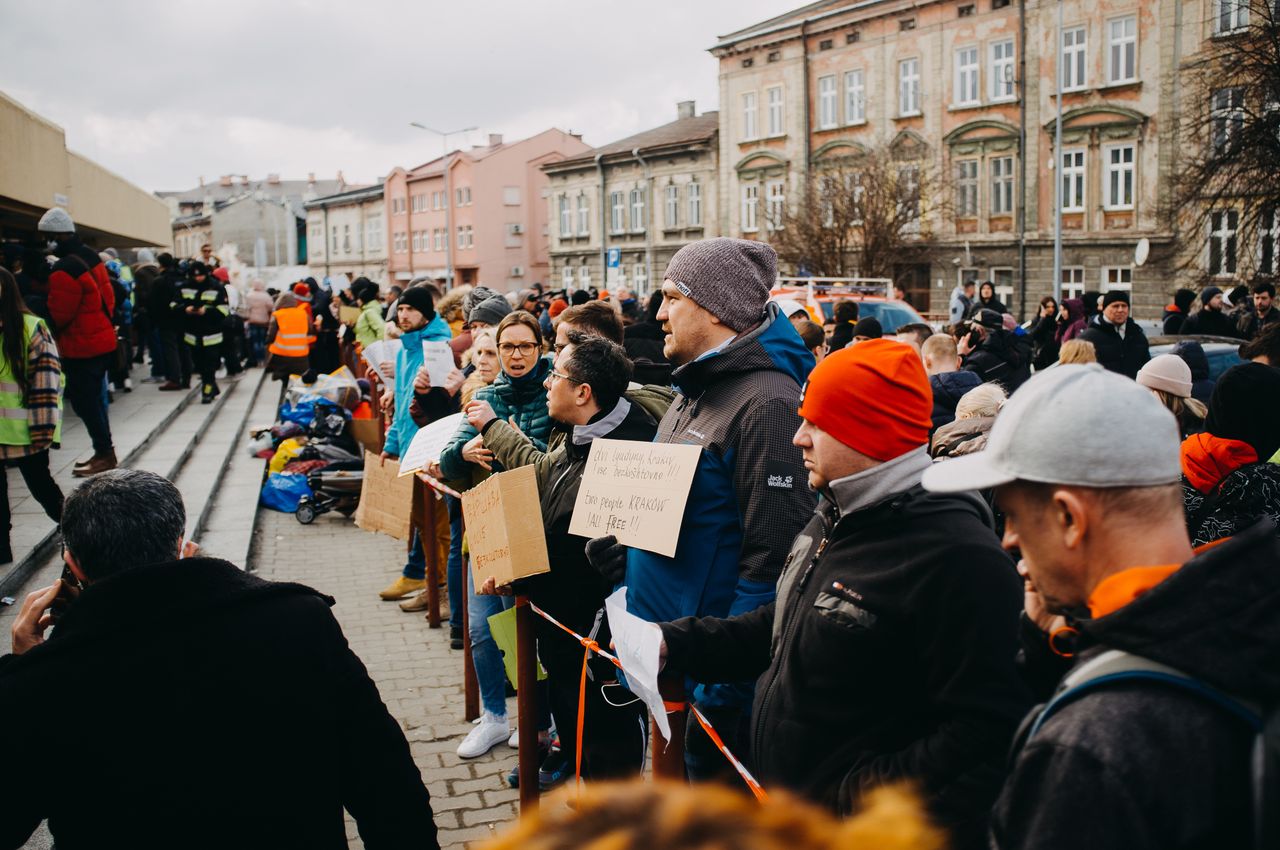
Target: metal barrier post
{"x": 470, "y": 687}
{"x": 427, "y": 536}
{"x": 527, "y": 703}
{"x": 668, "y": 757}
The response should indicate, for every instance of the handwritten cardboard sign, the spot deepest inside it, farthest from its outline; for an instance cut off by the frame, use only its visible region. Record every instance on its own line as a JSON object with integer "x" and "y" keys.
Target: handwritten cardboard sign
{"x": 636, "y": 492}
{"x": 385, "y": 499}
{"x": 428, "y": 443}
{"x": 348, "y": 315}
{"x": 504, "y": 527}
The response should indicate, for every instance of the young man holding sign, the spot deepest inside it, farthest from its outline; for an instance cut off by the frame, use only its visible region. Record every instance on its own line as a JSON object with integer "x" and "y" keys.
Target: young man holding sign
{"x": 740, "y": 364}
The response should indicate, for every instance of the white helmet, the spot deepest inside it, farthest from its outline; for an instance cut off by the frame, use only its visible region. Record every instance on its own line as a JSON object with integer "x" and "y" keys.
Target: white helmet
{"x": 56, "y": 220}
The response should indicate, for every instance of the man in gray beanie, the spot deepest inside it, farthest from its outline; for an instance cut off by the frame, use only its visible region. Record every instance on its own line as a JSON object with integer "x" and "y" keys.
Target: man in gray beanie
{"x": 740, "y": 364}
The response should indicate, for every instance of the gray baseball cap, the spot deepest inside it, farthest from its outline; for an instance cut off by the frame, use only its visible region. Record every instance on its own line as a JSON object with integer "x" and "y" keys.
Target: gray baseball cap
{"x": 1076, "y": 425}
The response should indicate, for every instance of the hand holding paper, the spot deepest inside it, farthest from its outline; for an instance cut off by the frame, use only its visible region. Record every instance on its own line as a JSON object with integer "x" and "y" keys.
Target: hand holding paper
{"x": 438, "y": 358}
{"x": 639, "y": 648}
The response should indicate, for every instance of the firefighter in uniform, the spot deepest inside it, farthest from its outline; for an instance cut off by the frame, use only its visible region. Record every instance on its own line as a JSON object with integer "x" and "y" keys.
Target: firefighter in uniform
{"x": 202, "y": 300}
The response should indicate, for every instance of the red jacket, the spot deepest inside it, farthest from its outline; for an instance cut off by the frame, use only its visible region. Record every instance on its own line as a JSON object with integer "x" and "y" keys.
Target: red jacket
{"x": 81, "y": 302}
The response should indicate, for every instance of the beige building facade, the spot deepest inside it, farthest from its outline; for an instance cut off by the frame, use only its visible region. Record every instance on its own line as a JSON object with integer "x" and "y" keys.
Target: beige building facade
{"x": 346, "y": 234}
{"x": 617, "y": 213}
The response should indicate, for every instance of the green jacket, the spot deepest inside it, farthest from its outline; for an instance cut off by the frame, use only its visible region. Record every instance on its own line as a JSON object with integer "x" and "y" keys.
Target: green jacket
{"x": 370, "y": 327}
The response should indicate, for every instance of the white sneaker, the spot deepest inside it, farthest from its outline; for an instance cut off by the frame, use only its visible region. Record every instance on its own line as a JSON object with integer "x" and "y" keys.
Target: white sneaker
{"x": 514, "y": 741}
{"x": 489, "y": 732}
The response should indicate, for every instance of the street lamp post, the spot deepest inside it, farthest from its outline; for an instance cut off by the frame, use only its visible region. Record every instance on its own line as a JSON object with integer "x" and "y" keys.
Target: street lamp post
{"x": 448, "y": 196}
{"x": 1057, "y": 174}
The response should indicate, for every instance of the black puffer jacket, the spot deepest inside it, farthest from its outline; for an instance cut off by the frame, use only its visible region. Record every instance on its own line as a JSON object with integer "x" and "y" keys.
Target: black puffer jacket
{"x": 1211, "y": 322}
{"x": 998, "y": 358}
{"x": 889, "y": 656}
{"x": 1126, "y": 355}
{"x": 948, "y": 388}
{"x": 190, "y": 704}
{"x": 1137, "y": 765}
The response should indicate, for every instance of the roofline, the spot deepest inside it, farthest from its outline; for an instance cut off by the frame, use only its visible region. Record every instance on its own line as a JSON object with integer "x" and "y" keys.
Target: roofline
{"x": 628, "y": 155}
{"x": 763, "y": 27}
{"x": 342, "y": 198}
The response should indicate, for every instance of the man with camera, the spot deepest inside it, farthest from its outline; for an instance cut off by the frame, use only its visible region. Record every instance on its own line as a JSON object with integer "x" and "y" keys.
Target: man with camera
{"x": 181, "y": 702}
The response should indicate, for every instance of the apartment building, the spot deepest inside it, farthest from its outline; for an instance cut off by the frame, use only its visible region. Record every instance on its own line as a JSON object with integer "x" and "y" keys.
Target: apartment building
{"x": 346, "y": 234}
{"x": 476, "y": 216}
{"x": 966, "y": 89}
{"x": 620, "y": 211}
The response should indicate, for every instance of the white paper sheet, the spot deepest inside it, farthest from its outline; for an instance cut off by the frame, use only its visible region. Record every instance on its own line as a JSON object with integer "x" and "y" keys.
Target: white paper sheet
{"x": 427, "y": 444}
{"x": 637, "y": 644}
{"x": 438, "y": 358}
{"x": 377, "y": 353}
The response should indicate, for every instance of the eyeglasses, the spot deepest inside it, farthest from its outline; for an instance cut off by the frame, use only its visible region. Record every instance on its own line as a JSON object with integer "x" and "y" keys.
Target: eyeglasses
{"x": 525, "y": 348}
{"x": 564, "y": 377}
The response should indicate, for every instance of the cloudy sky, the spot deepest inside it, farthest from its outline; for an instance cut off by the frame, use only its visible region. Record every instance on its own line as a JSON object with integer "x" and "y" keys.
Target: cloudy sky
{"x": 166, "y": 91}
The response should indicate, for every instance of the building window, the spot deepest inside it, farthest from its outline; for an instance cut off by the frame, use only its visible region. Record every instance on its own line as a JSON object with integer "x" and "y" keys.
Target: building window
{"x": 966, "y": 82}
{"x": 1073, "y": 181}
{"x": 855, "y": 97}
{"x": 462, "y": 196}
{"x": 640, "y": 277}
{"x": 775, "y": 211}
{"x": 1117, "y": 277}
{"x": 966, "y": 188}
{"x": 1223, "y": 225}
{"x": 637, "y": 211}
{"x": 1230, "y": 15}
{"x": 1074, "y": 58}
{"x": 1122, "y": 50}
{"x": 826, "y": 44}
{"x": 967, "y": 276}
{"x": 672, "y": 212}
{"x": 966, "y": 11}
{"x": 909, "y": 197}
{"x": 346, "y": 239}
{"x": 617, "y": 212}
{"x": 750, "y": 128}
{"x": 1002, "y": 185}
{"x": 827, "y": 102}
{"x": 1227, "y": 118}
{"x": 438, "y": 238}
{"x": 1072, "y": 281}
{"x": 909, "y": 87}
{"x": 462, "y": 238}
{"x": 750, "y": 203}
{"x": 773, "y": 56}
{"x": 1119, "y": 163}
{"x": 999, "y": 4}
{"x": 584, "y": 277}
{"x": 566, "y": 217}
{"x": 1002, "y": 70}
{"x": 333, "y": 243}
{"x": 853, "y": 37}
{"x": 695, "y": 204}
{"x": 566, "y": 277}
{"x": 1268, "y": 241}
{"x": 584, "y": 215}
{"x": 417, "y": 241}
{"x": 1002, "y": 280}
{"x": 906, "y": 25}
{"x": 774, "y": 97}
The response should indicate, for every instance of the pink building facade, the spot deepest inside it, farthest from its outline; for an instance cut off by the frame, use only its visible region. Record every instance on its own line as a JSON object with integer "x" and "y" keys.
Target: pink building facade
{"x": 476, "y": 216}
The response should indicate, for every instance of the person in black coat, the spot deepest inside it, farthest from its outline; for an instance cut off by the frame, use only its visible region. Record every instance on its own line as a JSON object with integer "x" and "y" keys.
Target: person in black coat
{"x": 187, "y": 703}
{"x": 889, "y": 652}
{"x": 1175, "y": 314}
{"x": 1119, "y": 342}
{"x": 1211, "y": 320}
{"x": 644, "y": 343}
{"x": 987, "y": 300}
{"x": 1043, "y": 333}
{"x": 991, "y": 351}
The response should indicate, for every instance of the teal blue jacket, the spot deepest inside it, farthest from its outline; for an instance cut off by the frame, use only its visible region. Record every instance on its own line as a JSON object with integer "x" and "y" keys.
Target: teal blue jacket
{"x": 408, "y": 362}
{"x": 524, "y": 398}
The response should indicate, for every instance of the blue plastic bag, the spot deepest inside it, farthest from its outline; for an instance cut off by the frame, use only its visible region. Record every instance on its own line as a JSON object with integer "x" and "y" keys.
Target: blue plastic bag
{"x": 302, "y": 412}
{"x": 284, "y": 490}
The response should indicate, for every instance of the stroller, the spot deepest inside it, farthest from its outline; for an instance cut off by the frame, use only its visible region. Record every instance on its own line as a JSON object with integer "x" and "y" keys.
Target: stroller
{"x": 334, "y": 488}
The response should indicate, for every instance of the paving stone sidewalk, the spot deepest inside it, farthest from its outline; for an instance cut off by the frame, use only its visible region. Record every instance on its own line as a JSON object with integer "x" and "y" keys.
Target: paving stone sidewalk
{"x": 419, "y": 676}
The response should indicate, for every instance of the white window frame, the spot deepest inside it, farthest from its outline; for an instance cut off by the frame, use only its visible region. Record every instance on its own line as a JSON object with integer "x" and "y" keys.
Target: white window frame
{"x": 637, "y": 202}
{"x": 750, "y": 207}
{"x": 1002, "y": 185}
{"x": 909, "y": 87}
{"x": 1226, "y": 106}
{"x": 462, "y": 239}
{"x": 1002, "y": 74}
{"x": 671, "y": 210}
{"x": 1072, "y": 282}
{"x": 567, "y": 277}
{"x": 694, "y": 196}
{"x": 750, "y": 116}
{"x": 1117, "y": 277}
{"x": 584, "y": 277}
{"x": 640, "y": 278}
{"x": 775, "y": 204}
{"x": 1269, "y": 235}
{"x": 333, "y": 244}
{"x": 1119, "y": 177}
{"x": 566, "y": 216}
{"x": 855, "y": 97}
{"x": 775, "y": 98}
{"x": 1074, "y": 177}
{"x": 966, "y": 90}
{"x": 1228, "y": 233}
{"x": 1004, "y": 291}
{"x": 417, "y": 241}
{"x": 584, "y": 215}
{"x": 1073, "y": 60}
{"x": 909, "y": 176}
{"x": 968, "y": 275}
{"x": 828, "y": 110}
{"x": 1122, "y": 50}
{"x": 967, "y": 187}
{"x": 1230, "y": 16}
{"x": 437, "y": 239}
{"x": 617, "y": 212}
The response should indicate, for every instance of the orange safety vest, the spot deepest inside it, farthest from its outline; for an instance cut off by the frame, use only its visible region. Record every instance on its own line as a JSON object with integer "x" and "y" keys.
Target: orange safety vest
{"x": 293, "y": 333}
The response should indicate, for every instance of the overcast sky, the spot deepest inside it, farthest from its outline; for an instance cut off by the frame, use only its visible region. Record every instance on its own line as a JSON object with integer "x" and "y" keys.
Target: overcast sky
{"x": 165, "y": 91}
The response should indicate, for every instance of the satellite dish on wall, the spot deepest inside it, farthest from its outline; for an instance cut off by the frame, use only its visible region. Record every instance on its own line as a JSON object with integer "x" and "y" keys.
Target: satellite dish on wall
{"x": 1142, "y": 251}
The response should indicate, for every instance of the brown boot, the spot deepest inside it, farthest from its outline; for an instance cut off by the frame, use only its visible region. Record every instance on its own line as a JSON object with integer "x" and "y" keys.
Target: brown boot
{"x": 97, "y": 463}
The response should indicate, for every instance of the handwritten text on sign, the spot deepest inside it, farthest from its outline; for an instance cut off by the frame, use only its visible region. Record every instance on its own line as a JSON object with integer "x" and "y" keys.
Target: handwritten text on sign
{"x": 636, "y": 492}
{"x": 504, "y": 527}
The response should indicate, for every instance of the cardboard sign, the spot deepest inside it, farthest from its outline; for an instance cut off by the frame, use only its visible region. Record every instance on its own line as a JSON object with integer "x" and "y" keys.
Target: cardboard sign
{"x": 636, "y": 492}
{"x": 368, "y": 433}
{"x": 437, "y": 356}
{"x": 386, "y": 499}
{"x": 504, "y": 527}
{"x": 348, "y": 315}
{"x": 427, "y": 444}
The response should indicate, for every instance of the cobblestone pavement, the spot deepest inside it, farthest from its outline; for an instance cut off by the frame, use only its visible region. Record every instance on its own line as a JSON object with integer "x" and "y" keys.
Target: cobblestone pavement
{"x": 419, "y": 676}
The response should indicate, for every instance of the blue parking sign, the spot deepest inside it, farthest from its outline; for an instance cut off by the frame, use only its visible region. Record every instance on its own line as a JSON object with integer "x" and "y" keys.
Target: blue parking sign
{"x": 615, "y": 257}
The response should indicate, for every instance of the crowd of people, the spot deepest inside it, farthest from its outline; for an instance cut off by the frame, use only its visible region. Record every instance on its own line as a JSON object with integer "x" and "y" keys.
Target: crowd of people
{"x": 1010, "y": 567}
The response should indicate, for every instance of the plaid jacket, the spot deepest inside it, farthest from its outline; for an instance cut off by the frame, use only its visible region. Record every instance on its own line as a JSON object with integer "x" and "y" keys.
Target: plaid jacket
{"x": 44, "y": 372}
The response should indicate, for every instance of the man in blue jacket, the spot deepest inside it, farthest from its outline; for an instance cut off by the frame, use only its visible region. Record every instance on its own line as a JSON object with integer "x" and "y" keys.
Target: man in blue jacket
{"x": 416, "y": 316}
{"x": 740, "y": 364}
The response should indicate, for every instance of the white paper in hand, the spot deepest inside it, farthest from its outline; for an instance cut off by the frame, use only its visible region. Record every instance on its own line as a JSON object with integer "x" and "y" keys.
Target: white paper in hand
{"x": 438, "y": 357}
{"x": 428, "y": 443}
{"x": 638, "y": 644}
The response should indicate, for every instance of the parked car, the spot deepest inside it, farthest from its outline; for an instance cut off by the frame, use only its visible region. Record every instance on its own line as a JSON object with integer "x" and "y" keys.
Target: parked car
{"x": 1223, "y": 352}
{"x": 872, "y": 301}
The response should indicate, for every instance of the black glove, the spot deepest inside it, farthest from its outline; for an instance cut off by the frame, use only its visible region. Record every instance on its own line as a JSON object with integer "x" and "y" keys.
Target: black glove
{"x": 609, "y": 557}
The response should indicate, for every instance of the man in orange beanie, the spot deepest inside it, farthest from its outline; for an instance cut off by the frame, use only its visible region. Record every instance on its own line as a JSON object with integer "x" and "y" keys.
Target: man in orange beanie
{"x": 889, "y": 653}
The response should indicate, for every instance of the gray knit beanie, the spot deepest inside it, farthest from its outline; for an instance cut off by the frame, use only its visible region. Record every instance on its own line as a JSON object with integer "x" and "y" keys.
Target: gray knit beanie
{"x": 490, "y": 311}
{"x": 477, "y": 295}
{"x": 729, "y": 278}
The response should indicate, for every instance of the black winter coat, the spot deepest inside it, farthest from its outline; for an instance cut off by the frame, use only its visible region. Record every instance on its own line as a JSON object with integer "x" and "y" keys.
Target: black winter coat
{"x": 1137, "y": 765}
{"x": 1044, "y": 345}
{"x": 948, "y": 388}
{"x": 888, "y": 655}
{"x": 1212, "y": 323}
{"x": 1125, "y": 356}
{"x": 190, "y": 704}
{"x": 999, "y": 358}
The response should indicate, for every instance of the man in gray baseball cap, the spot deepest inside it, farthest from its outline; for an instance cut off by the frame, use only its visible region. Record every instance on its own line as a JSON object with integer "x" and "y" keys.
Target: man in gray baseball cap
{"x": 1159, "y": 643}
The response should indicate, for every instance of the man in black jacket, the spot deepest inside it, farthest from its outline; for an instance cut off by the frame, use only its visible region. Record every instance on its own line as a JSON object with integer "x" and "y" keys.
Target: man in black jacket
{"x": 889, "y": 653}
{"x": 1212, "y": 319}
{"x": 1264, "y": 313}
{"x": 1121, "y": 345}
{"x": 991, "y": 352}
{"x": 1103, "y": 540}
{"x": 164, "y": 305}
{"x": 186, "y": 703}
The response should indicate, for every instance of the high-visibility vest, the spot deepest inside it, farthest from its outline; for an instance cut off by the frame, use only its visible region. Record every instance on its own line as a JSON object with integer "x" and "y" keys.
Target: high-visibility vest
{"x": 293, "y": 333}
{"x": 13, "y": 411}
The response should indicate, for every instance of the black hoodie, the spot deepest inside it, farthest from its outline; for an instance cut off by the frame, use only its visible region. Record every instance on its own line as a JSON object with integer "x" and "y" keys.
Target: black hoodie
{"x": 1139, "y": 765}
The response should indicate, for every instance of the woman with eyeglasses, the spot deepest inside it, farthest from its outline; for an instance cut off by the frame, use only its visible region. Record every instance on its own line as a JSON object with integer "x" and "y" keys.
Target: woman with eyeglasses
{"x": 517, "y": 396}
